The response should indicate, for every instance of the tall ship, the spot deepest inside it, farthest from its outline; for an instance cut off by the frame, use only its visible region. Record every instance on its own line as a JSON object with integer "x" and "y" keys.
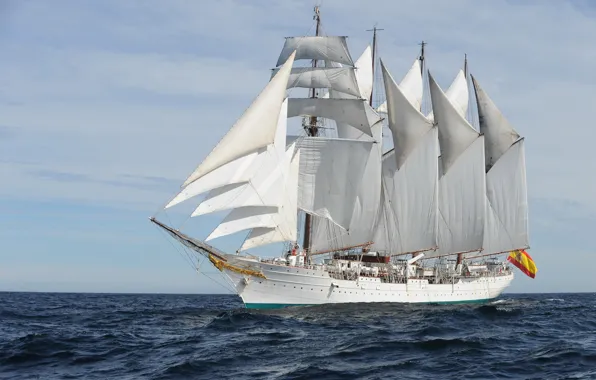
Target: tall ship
{"x": 438, "y": 216}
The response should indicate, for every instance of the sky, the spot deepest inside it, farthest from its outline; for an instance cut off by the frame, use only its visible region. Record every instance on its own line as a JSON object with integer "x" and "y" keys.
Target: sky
{"x": 106, "y": 107}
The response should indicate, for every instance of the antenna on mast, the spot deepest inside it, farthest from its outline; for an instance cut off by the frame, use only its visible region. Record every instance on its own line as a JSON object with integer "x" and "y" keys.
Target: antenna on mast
{"x": 421, "y": 58}
{"x": 466, "y": 66}
{"x": 374, "y": 49}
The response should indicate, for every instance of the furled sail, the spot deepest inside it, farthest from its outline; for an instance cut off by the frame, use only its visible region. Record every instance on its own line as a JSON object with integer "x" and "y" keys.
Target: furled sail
{"x": 408, "y": 221}
{"x": 462, "y": 185}
{"x": 341, "y": 79}
{"x": 507, "y": 223}
{"x": 330, "y": 173}
{"x": 326, "y": 48}
{"x": 254, "y": 130}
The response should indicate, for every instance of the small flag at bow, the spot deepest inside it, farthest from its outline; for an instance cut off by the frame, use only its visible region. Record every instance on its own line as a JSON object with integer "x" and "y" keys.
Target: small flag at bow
{"x": 524, "y": 262}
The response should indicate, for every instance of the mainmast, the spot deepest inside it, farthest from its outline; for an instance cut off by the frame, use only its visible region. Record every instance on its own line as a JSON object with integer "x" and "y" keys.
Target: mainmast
{"x": 312, "y": 130}
{"x": 460, "y": 256}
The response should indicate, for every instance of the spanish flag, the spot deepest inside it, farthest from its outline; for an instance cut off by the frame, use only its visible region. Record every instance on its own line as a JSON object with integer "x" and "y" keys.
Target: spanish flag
{"x": 524, "y": 262}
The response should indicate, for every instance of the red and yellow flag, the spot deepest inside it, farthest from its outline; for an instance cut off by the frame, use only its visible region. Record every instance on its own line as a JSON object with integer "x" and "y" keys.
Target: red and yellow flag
{"x": 524, "y": 262}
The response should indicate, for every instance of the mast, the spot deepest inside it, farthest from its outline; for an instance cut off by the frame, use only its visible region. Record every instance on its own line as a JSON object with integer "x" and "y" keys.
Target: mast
{"x": 312, "y": 130}
{"x": 374, "y": 48}
{"x": 460, "y": 256}
{"x": 421, "y": 58}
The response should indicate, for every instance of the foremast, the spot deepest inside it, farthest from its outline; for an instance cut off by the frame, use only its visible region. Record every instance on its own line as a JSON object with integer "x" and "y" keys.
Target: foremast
{"x": 312, "y": 130}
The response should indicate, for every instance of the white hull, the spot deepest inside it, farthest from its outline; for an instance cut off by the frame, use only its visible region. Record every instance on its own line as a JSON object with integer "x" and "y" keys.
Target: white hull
{"x": 292, "y": 286}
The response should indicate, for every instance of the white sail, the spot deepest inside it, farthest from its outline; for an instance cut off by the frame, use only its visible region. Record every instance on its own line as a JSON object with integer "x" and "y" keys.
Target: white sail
{"x": 411, "y": 193}
{"x": 462, "y": 185}
{"x": 364, "y": 73}
{"x": 329, "y": 48}
{"x": 455, "y": 133}
{"x": 408, "y": 126}
{"x": 364, "y": 77}
{"x": 236, "y": 174}
{"x": 411, "y": 87}
{"x": 254, "y": 130}
{"x": 507, "y": 226}
{"x": 507, "y": 196}
{"x": 341, "y": 79}
{"x": 458, "y": 94}
{"x": 354, "y": 112}
{"x": 330, "y": 173}
{"x": 263, "y": 172}
{"x": 247, "y": 216}
{"x": 326, "y": 235}
{"x": 253, "y": 193}
{"x": 286, "y": 223}
{"x": 499, "y": 134}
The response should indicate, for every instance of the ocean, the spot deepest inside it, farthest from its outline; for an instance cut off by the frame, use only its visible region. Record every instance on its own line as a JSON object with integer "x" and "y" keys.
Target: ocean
{"x": 138, "y": 336}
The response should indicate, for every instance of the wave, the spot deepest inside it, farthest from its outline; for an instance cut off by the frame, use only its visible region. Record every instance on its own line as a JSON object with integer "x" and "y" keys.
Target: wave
{"x": 211, "y": 337}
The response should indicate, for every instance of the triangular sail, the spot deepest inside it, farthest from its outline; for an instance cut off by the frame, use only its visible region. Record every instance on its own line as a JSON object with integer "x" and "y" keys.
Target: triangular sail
{"x": 411, "y": 87}
{"x": 499, "y": 134}
{"x": 408, "y": 126}
{"x": 247, "y": 216}
{"x": 285, "y": 219}
{"x": 364, "y": 73}
{"x": 458, "y": 94}
{"x": 507, "y": 226}
{"x": 234, "y": 172}
{"x": 254, "y": 130}
{"x": 264, "y": 171}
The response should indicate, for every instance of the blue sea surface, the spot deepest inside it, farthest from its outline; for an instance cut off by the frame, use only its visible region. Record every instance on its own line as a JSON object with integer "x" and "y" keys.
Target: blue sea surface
{"x": 137, "y": 336}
